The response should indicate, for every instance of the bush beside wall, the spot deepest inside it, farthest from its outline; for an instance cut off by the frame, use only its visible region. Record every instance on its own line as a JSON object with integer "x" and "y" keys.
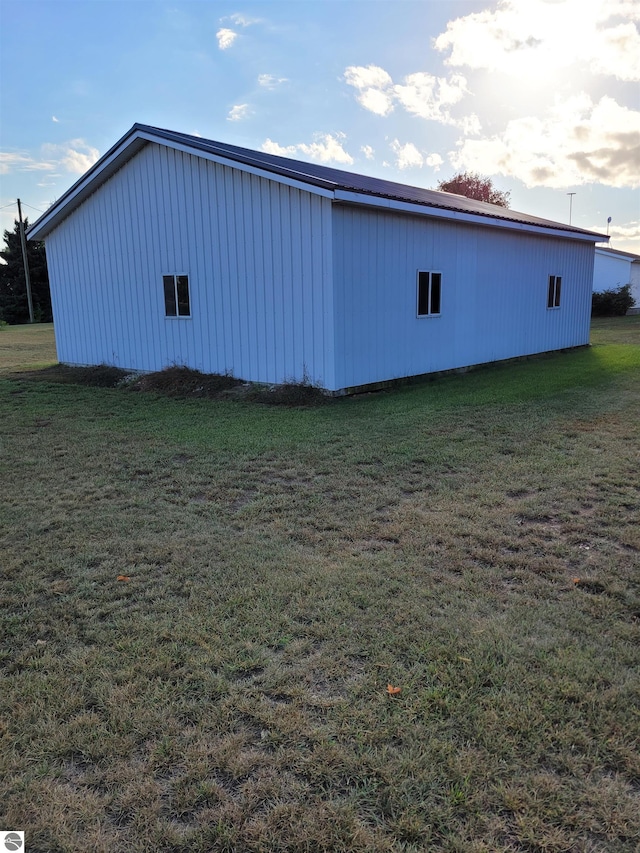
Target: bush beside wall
{"x": 612, "y": 303}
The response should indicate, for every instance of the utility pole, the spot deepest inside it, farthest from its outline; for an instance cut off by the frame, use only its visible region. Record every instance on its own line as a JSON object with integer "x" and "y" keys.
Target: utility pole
{"x": 25, "y": 261}
{"x": 571, "y": 195}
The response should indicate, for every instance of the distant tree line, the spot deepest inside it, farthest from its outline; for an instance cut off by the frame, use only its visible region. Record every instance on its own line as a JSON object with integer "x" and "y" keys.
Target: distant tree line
{"x": 14, "y": 307}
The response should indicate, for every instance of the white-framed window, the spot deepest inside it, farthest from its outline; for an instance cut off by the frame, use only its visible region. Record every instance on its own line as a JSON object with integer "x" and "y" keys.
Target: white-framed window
{"x": 429, "y": 293}
{"x": 553, "y": 294}
{"x": 176, "y": 296}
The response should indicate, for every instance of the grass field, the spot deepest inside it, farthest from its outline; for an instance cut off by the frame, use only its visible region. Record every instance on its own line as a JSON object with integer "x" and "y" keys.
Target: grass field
{"x": 205, "y": 603}
{"x": 26, "y": 347}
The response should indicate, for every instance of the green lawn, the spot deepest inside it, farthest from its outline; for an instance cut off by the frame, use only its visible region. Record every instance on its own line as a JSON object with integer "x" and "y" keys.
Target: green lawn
{"x": 204, "y": 603}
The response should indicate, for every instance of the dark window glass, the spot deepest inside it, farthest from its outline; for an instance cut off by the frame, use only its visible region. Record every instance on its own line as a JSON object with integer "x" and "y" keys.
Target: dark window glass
{"x": 423, "y": 293}
{"x": 170, "y": 307}
{"x": 182, "y": 287}
{"x": 435, "y": 293}
{"x": 553, "y": 295}
{"x": 429, "y": 291}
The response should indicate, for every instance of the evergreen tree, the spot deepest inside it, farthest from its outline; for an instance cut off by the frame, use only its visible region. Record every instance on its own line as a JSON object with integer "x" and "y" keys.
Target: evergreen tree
{"x": 14, "y": 307}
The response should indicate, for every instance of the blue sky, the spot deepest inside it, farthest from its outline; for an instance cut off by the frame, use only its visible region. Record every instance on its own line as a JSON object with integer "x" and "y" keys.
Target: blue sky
{"x": 543, "y": 96}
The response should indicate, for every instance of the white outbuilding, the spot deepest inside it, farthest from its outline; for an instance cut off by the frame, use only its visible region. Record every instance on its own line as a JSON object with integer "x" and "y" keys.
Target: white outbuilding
{"x": 614, "y": 269}
{"x": 174, "y": 249}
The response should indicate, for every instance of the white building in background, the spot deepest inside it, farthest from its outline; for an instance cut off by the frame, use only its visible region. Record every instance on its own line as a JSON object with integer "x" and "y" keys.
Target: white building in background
{"x": 174, "y": 249}
{"x": 613, "y": 269}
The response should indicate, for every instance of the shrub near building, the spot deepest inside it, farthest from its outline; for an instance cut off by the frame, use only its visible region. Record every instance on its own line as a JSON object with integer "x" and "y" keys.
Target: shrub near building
{"x": 612, "y": 303}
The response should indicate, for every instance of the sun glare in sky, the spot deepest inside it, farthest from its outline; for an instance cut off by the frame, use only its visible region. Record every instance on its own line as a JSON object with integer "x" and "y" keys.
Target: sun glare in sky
{"x": 543, "y": 96}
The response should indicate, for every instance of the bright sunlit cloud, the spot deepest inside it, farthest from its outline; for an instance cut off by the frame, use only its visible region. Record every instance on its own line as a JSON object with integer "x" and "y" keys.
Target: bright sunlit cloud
{"x": 536, "y": 93}
{"x": 421, "y": 94}
{"x": 326, "y": 149}
{"x": 576, "y": 142}
{"x": 408, "y": 156}
{"x": 540, "y": 36}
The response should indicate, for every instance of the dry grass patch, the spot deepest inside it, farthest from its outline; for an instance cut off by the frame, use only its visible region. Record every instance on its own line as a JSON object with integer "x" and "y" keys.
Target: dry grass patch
{"x": 26, "y": 347}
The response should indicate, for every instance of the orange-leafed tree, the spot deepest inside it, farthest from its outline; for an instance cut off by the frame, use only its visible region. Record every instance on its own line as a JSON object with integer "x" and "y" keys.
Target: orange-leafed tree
{"x": 472, "y": 185}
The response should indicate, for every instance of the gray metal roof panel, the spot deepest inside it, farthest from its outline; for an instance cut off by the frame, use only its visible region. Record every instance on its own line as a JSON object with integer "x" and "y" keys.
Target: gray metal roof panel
{"x": 313, "y": 174}
{"x": 328, "y": 176}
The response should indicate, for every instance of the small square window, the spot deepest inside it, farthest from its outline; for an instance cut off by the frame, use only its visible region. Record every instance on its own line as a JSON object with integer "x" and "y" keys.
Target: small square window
{"x": 176, "y": 295}
{"x": 553, "y": 294}
{"x": 429, "y": 293}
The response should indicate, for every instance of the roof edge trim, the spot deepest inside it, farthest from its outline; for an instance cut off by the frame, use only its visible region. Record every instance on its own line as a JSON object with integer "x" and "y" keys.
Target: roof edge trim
{"x": 462, "y": 216}
{"x": 107, "y": 165}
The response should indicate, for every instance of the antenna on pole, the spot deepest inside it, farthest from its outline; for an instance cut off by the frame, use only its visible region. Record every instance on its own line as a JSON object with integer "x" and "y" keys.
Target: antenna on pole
{"x": 571, "y": 195}
{"x": 608, "y": 224}
{"x": 25, "y": 261}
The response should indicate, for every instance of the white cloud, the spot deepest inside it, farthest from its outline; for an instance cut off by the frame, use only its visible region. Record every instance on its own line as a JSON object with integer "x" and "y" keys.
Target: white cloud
{"x": 625, "y": 237}
{"x": 243, "y": 20}
{"x": 74, "y": 156}
{"x": 470, "y": 125}
{"x": 420, "y": 94}
{"x": 329, "y": 149}
{"x": 271, "y": 147}
{"x": 427, "y": 96}
{"x": 326, "y": 149}
{"x": 524, "y": 37}
{"x": 407, "y": 155}
{"x": 54, "y": 119}
{"x": 226, "y": 38}
{"x": 367, "y": 77}
{"x": 269, "y": 81}
{"x": 238, "y": 112}
{"x": 376, "y": 101}
{"x": 16, "y": 162}
{"x": 576, "y": 142}
{"x": 368, "y": 152}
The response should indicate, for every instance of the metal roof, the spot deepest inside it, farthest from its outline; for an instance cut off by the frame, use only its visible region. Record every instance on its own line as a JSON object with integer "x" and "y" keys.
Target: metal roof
{"x": 312, "y": 174}
{"x": 618, "y": 253}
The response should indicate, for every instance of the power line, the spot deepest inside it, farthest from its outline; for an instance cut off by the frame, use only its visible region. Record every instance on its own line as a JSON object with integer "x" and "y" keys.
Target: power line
{"x": 11, "y": 204}
{"x": 37, "y": 209}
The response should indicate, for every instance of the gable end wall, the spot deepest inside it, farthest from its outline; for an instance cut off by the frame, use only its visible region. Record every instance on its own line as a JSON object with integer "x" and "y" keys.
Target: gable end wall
{"x": 257, "y": 253}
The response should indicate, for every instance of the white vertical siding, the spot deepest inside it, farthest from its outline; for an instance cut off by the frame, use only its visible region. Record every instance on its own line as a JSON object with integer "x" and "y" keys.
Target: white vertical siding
{"x": 257, "y": 253}
{"x": 611, "y": 271}
{"x": 494, "y": 295}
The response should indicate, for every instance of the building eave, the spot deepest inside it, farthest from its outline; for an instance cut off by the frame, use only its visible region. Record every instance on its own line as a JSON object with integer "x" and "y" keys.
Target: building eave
{"x": 396, "y": 205}
{"x": 342, "y": 187}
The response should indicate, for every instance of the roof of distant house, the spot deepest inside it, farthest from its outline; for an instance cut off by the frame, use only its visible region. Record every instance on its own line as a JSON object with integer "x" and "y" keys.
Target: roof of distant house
{"x": 617, "y": 253}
